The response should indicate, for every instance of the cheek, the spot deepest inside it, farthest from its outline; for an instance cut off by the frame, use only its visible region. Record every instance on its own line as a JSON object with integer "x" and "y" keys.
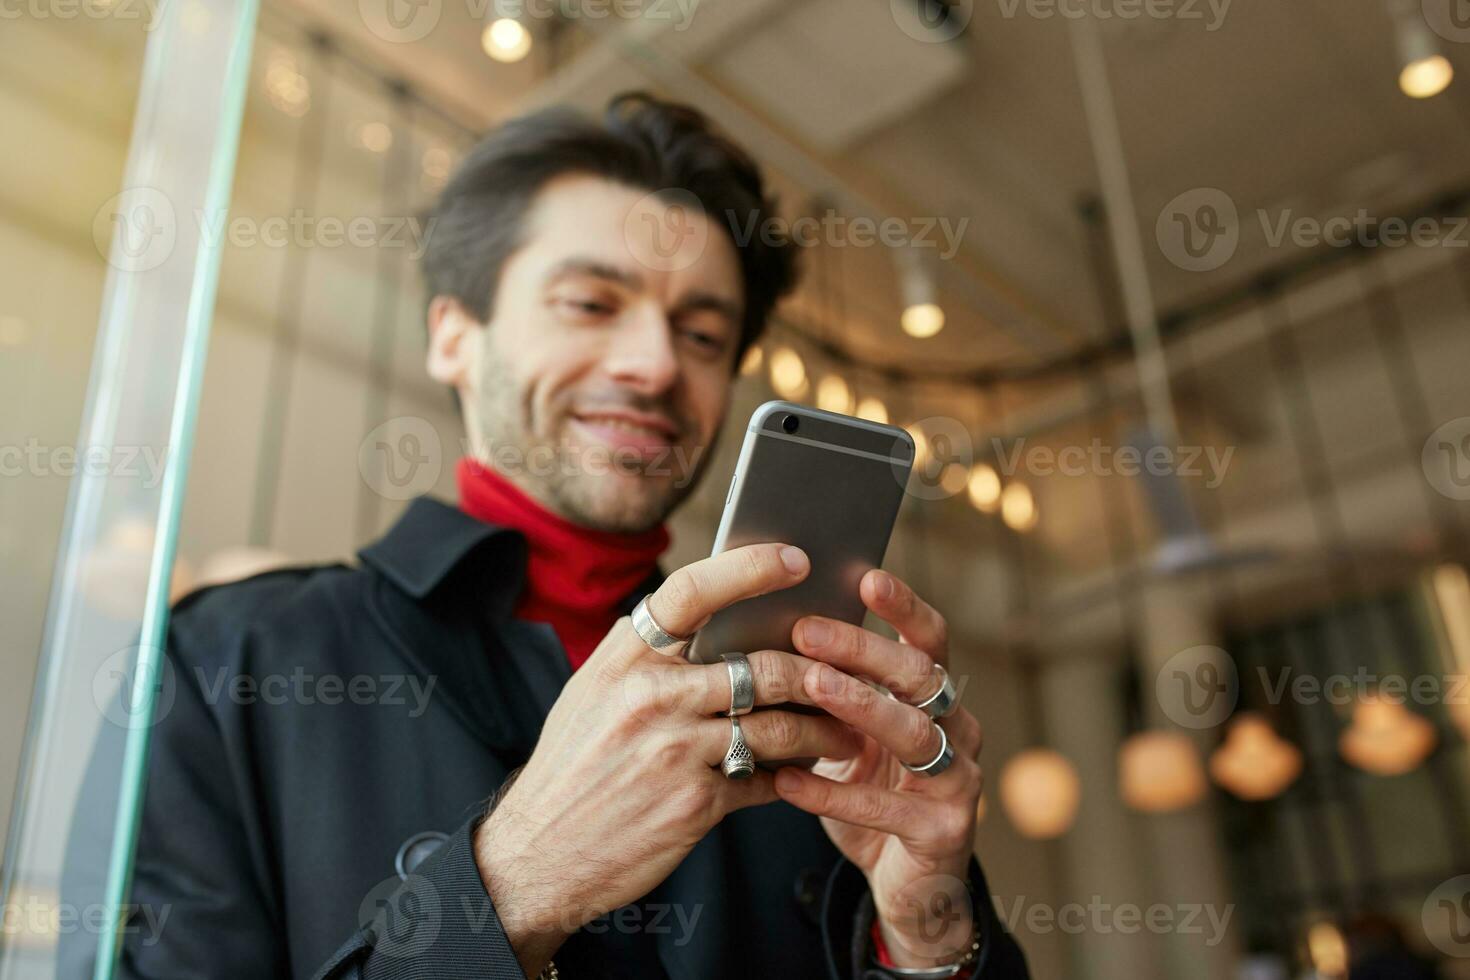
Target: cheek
{"x": 709, "y": 393}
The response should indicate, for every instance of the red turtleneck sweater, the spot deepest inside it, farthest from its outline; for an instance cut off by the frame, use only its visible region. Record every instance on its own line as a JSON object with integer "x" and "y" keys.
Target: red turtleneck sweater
{"x": 577, "y": 577}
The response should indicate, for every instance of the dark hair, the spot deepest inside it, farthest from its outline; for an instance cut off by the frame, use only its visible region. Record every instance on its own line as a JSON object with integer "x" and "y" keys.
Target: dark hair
{"x": 643, "y": 142}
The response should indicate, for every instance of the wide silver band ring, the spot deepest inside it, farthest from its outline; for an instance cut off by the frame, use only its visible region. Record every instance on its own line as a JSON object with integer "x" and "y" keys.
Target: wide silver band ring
{"x": 940, "y": 762}
{"x": 739, "y": 762}
{"x": 941, "y": 703}
{"x": 742, "y": 684}
{"x": 651, "y": 632}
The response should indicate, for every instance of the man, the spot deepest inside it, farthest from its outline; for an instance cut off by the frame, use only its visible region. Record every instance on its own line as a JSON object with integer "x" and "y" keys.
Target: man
{"x": 556, "y": 805}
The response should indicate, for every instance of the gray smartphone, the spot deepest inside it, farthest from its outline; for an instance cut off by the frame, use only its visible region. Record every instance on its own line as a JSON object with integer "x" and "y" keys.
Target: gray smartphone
{"x": 827, "y": 483}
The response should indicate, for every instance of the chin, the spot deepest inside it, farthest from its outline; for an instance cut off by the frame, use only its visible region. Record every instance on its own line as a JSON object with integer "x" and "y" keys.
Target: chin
{"x": 625, "y": 503}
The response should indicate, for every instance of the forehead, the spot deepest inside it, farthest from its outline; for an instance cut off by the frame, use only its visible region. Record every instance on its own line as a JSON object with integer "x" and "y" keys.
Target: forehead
{"x": 656, "y": 240}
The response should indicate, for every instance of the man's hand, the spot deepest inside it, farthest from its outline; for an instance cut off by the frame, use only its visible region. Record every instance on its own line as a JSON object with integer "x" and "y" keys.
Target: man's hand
{"x": 624, "y": 780}
{"x": 911, "y": 835}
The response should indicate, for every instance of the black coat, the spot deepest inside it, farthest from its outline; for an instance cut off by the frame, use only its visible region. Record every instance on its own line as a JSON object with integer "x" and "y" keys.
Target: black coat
{"x": 330, "y": 727}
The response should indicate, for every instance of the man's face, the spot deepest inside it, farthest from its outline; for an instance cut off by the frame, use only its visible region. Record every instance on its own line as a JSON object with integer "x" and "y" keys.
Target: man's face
{"x": 601, "y": 380}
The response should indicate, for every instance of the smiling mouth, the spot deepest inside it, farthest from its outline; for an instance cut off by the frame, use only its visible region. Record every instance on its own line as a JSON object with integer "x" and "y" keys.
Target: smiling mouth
{"x": 641, "y": 427}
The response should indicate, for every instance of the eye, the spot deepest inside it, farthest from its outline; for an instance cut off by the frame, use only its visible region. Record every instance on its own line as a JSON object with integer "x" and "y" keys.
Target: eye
{"x": 585, "y": 308}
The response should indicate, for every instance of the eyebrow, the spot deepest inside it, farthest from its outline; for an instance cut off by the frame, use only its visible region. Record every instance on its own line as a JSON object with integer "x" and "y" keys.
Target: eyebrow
{"x": 715, "y": 304}
{"x": 597, "y": 269}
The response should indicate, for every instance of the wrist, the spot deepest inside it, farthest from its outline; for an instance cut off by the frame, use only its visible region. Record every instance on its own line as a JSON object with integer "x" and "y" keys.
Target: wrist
{"x": 907, "y": 946}
{"x": 530, "y": 906}
{"x": 930, "y": 922}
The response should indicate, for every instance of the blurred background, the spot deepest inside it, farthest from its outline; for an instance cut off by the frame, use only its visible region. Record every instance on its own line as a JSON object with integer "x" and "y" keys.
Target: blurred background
{"x": 1175, "y": 296}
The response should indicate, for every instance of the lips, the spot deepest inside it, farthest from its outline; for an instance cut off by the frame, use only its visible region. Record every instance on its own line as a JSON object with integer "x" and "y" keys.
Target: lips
{"x": 628, "y": 430}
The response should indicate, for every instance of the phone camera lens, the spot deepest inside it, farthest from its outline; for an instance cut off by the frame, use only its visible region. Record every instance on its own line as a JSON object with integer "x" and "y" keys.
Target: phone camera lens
{"x": 790, "y": 423}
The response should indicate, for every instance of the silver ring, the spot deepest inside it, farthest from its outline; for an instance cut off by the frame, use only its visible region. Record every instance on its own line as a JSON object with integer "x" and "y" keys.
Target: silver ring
{"x": 941, "y": 703}
{"x": 742, "y": 684}
{"x": 940, "y": 762}
{"x": 739, "y": 762}
{"x": 650, "y": 631}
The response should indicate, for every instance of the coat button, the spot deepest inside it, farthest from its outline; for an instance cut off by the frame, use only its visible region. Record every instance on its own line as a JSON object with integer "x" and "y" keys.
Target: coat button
{"x": 809, "y": 882}
{"x": 416, "y": 850}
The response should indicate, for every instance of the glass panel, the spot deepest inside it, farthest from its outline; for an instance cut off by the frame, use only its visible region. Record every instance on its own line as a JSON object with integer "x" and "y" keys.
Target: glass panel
{"x": 97, "y": 680}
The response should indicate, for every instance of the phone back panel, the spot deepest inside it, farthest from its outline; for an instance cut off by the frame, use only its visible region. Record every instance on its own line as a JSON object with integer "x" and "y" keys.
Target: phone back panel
{"x": 833, "y": 489}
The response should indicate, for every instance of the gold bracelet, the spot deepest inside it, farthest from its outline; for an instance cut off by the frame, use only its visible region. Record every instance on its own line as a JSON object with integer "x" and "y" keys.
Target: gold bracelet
{"x": 549, "y": 972}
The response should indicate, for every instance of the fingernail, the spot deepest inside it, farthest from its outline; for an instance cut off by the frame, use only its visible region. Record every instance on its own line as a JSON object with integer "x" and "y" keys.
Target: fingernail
{"x": 794, "y": 559}
{"x": 883, "y": 585}
{"x": 815, "y": 633}
{"x": 824, "y": 680}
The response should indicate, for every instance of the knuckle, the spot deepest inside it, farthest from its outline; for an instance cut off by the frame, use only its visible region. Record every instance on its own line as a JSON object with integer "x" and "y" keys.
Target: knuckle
{"x": 782, "y": 731}
{"x": 917, "y": 663}
{"x": 769, "y": 671}
{"x": 870, "y": 809}
{"x": 682, "y": 593}
{"x": 919, "y": 731}
{"x": 941, "y": 632}
{"x": 755, "y": 563}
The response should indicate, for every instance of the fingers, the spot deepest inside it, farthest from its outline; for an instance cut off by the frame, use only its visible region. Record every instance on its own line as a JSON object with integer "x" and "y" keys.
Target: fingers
{"x": 694, "y": 593}
{"x": 776, "y": 734}
{"x": 937, "y": 826}
{"x": 900, "y": 728}
{"x": 905, "y": 670}
{"x": 897, "y": 605}
{"x": 862, "y": 804}
{"x": 779, "y": 678}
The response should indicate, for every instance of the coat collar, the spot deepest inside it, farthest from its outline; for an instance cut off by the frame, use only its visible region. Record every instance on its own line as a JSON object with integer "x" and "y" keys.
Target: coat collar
{"x": 433, "y": 542}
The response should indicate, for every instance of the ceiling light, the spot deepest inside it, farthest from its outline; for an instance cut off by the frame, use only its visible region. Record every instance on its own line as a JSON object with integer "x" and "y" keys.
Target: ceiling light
{"x": 985, "y": 488}
{"x": 1159, "y": 772}
{"x": 753, "y": 358}
{"x": 1255, "y": 763}
{"x": 872, "y": 409}
{"x": 1385, "y": 738}
{"x": 788, "y": 374}
{"x": 833, "y": 395}
{"x": 1018, "y": 507}
{"x": 922, "y": 320}
{"x": 922, "y": 315}
{"x": 1423, "y": 71}
{"x": 1040, "y": 791}
{"x": 375, "y": 137}
{"x": 506, "y": 40}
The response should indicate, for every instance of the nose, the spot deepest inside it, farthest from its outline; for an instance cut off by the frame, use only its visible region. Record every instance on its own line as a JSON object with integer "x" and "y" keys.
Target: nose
{"x": 641, "y": 353}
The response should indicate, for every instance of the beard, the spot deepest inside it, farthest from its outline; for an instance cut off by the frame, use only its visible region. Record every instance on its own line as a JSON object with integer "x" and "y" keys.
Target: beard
{"x": 587, "y": 485}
